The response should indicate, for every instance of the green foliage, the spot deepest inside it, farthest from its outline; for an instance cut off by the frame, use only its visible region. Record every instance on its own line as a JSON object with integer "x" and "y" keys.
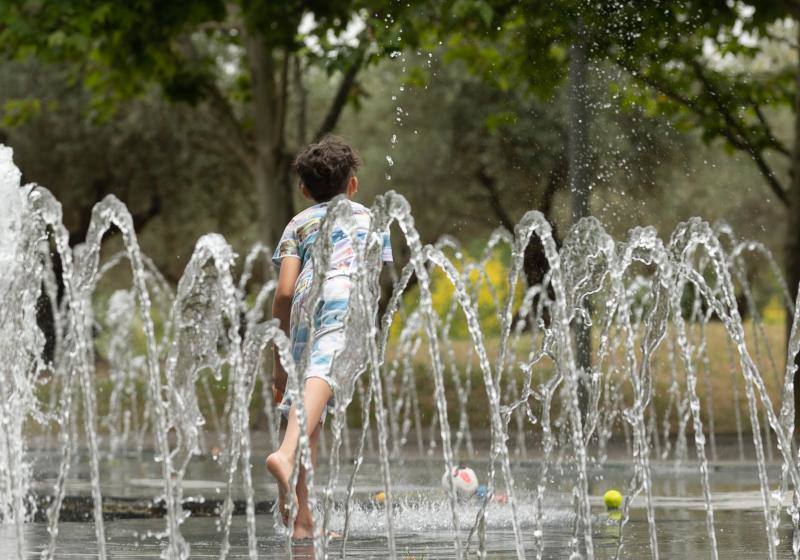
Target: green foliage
{"x": 164, "y": 161}
{"x": 117, "y": 49}
{"x": 18, "y": 111}
{"x": 120, "y": 50}
{"x": 721, "y": 67}
{"x": 490, "y": 97}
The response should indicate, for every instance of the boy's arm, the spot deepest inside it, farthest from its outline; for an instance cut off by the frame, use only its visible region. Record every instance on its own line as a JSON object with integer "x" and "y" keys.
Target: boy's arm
{"x": 282, "y": 310}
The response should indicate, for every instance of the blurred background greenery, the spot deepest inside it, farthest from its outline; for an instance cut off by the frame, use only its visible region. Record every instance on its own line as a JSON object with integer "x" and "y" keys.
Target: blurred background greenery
{"x": 640, "y": 113}
{"x": 190, "y": 112}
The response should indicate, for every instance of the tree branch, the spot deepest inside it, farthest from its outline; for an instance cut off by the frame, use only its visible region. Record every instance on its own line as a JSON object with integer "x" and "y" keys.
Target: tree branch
{"x": 236, "y": 139}
{"x": 302, "y": 96}
{"x": 283, "y": 100}
{"x": 219, "y": 104}
{"x": 729, "y": 132}
{"x": 659, "y": 86}
{"x": 490, "y": 184}
{"x": 737, "y": 130}
{"x": 340, "y": 100}
{"x": 776, "y": 144}
{"x": 141, "y": 219}
{"x": 100, "y": 186}
{"x": 556, "y": 179}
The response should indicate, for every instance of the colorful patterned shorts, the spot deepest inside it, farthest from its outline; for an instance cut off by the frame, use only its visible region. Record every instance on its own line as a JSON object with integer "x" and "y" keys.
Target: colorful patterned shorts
{"x": 326, "y": 335}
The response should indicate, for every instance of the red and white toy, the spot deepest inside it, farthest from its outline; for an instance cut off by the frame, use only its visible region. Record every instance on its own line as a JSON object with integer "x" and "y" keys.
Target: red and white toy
{"x": 464, "y": 481}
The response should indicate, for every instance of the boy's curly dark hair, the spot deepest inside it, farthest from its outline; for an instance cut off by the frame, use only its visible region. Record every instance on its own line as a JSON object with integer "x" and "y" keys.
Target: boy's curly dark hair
{"x": 326, "y": 166}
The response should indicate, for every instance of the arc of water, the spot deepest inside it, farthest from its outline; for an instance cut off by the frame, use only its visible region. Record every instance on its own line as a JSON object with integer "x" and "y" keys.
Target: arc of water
{"x": 413, "y": 323}
{"x": 645, "y": 247}
{"x": 397, "y": 208}
{"x": 20, "y": 345}
{"x": 257, "y": 339}
{"x": 48, "y": 216}
{"x": 759, "y": 336}
{"x": 205, "y": 300}
{"x": 697, "y": 232}
{"x": 498, "y": 437}
{"x": 107, "y": 212}
{"x": 461, "y": 393}
{"x": 359, "y": 460}
{"x": 535, "y": 222}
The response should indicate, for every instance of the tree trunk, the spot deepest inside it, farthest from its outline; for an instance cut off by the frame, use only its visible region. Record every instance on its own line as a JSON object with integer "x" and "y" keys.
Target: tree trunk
{"x": 275, "y": 204}
{"x": 579, "y": 173}
{"x": 793, "y": 236}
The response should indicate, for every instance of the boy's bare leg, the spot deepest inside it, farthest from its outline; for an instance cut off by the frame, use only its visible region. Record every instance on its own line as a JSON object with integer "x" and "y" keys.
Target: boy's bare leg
{"x": 304, "y": 524}
{"x": 281, "y": 463}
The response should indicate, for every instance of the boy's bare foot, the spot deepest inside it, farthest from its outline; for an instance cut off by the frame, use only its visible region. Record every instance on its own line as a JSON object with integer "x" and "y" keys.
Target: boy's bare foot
{"x": 303, "y": 530}
{"x": 281, "y": 469}
{"x": 305, "y": 533}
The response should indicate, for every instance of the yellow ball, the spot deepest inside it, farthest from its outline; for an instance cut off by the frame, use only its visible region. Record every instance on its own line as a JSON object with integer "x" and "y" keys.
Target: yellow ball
{"x": 612, "y": 499}
{"x": 380, "y": 497}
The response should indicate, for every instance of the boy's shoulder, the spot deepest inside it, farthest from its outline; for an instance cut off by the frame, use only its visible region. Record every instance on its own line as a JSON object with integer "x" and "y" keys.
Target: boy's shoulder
{"x": 311, "y": 213}
{"x": 318, "y": 211}
{"x": 359, "y": 208}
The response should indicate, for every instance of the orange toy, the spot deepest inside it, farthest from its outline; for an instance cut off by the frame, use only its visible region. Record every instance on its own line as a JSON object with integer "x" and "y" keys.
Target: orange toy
{"x": 277, "y": 394}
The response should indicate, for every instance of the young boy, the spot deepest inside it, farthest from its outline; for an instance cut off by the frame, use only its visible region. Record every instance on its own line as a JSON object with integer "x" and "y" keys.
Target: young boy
{"x": 326, "y": 169}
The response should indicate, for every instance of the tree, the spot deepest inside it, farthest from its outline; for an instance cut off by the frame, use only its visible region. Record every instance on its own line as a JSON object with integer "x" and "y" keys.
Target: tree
{"x": 707, "y": 64}
{"x": 161, "y": 159}
{"x": 729, "y": 68}
{"x": 233, "y": 58}
{"x": 710, "y": 69}
{"x": 534, "y": 39}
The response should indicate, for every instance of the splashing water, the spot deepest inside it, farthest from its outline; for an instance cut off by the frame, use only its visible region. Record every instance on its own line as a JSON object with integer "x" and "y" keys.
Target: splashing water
{"x": 648, "y": 396}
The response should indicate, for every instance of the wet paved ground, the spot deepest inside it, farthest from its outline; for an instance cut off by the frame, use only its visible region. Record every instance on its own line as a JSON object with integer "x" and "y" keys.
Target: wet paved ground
{"x": 681, "y": 534}
{"x": 423, "y": 521}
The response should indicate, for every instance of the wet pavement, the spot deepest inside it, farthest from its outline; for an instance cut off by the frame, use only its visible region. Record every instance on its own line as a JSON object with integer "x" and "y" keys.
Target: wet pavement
{"x": 422, "y": 517}
{"x": 681, "y": 534}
